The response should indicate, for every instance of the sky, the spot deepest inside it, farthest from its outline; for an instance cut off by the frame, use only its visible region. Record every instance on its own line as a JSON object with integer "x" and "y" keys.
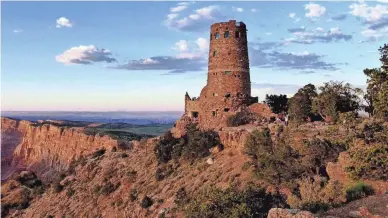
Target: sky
{"x": 144, "y": 56}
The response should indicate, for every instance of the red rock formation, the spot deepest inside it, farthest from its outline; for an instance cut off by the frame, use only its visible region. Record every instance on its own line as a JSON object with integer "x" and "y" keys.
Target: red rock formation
{"x": 48, "y": 146}
{"x": 289, "y": 213}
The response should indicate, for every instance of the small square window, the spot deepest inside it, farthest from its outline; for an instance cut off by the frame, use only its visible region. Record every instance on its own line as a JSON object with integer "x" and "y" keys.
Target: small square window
{"x": 214, "y": 113}
{"x": 215, "y": 94}
{"x": 226, "y": 34}
{"x": 237, "y": 34}
{"x": 228, "y": 72}
{"x": 214, "y": 53}
{"x": 217, "y": 35}
{"x": 226, "y": 109}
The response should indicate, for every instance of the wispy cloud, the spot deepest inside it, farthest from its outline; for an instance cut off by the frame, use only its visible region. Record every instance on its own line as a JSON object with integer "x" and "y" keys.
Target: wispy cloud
{"x": 270, "y": 57}
{"x": 294, "y": 17}
{"x": 63, "y": 22}
{"x": 85, "y": 55}
{"x": 17, "y": 30}
{"x": 238, "y": 9}
{"x": 198, "y": 21}
{"x": 370, "y": 13}
{"x": 192, "y": 56}
{"x": 302, "y": 36}
{"x": 314, "y": 10}
{"x": 339, "y": 17}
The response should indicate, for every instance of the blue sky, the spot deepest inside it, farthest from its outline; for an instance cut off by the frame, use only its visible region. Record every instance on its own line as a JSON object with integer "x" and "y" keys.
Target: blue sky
{"x": 108, "y": 56}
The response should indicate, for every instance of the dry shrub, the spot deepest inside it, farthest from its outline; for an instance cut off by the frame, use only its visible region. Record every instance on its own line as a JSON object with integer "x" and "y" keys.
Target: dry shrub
{"x": 316, "y": 195}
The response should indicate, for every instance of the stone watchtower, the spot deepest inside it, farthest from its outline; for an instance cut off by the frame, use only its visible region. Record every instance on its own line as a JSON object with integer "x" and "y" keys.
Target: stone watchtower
{"x": 228, "y": 88}
{"x": 228, "y": 70}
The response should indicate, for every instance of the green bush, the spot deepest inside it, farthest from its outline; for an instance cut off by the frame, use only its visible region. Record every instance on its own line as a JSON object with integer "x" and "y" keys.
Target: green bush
{"x": 195, "y": 144}
{"x": 277, "y": 162}
{"x": 181, "y": 197}
{"x": 316, "y": 153}
{"x": 358, "y": 191}
{"x": 57, "y": 187}
{"x": 274, "y": 163}
{"x": 70, "y": 192}
{"x": 369, "y": 162}
{"x": 108, "y": 188}
{"x": 133, "y": 195}
{"x": 250, "y": 202}
{"x": 146, "y": 202}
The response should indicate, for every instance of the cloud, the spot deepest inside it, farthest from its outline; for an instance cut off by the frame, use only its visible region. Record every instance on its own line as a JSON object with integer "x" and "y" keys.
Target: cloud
{"x": 293, "y": 16}
{"x": 203, "y": 44}
{"x": 182, "y": 46}
{"x": 378, "y": 25}
{"x": 339, "y": 17}
{"x": 253, "y": 10}
{"x": 265, "y": 45}
{"x": 169, "y": 63}
{"x": 318, "y": 35}
{"x": 238, "y": 9}
{"x": 314, "y": 10}
{"x": 369, "y": 13}
{"x": 377, "y": 18}
{"x": 298, "y": 29}
{"x": 307, "y": 72}
{"x": 198, "y": 21}
{"x": 85, "y": 55}
{"x": 17, "y": 31}
{"x": 269, "y": 57}
{"x": 180, "y": 7}
{"x": 374, "y": 35}
{"x": 63, "y": 22}
{"x": 192, "y": 56}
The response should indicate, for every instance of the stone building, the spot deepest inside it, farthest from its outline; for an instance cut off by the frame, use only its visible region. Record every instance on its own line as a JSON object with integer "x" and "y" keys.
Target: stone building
{"x": 228, "y": 88}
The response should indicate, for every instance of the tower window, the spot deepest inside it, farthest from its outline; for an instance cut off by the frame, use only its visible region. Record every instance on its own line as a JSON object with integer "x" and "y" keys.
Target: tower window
{"x": 226, "y": 34}
{"x": 228, "y": 72}
{"x": 226, "y": 109}
{"x": 194, "y": 114}
{"x": 217, "y": 35}
{"x": 227, "y": 95}
{"x": 215, "y": 94}
{"x": 214, "y": 53}
{"x": 237, "y": 34}
{"x": 214, "y": 113}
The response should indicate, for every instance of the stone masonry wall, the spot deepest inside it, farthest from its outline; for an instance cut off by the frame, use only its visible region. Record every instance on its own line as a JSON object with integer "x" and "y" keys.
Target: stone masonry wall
{"x": 228, "y": 86}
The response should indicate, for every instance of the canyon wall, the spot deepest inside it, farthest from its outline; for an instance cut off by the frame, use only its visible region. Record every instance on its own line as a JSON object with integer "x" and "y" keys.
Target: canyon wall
{"x": 44, "y": 148}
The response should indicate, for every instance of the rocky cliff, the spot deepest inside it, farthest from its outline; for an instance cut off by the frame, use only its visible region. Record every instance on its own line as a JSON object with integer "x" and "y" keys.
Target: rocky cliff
{"x": 45, "y": 147}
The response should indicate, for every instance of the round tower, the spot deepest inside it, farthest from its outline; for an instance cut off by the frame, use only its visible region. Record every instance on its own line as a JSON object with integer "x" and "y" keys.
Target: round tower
{"x": 228, "y": 71}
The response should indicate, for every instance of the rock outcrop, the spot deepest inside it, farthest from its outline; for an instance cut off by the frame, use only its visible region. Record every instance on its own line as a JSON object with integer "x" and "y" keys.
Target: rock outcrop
{"x": 288, "y": 213}
{"x": 46, "y": 147}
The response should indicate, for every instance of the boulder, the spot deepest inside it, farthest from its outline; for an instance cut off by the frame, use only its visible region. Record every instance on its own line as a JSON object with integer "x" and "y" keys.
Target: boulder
{"x": 289, "y": 213}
